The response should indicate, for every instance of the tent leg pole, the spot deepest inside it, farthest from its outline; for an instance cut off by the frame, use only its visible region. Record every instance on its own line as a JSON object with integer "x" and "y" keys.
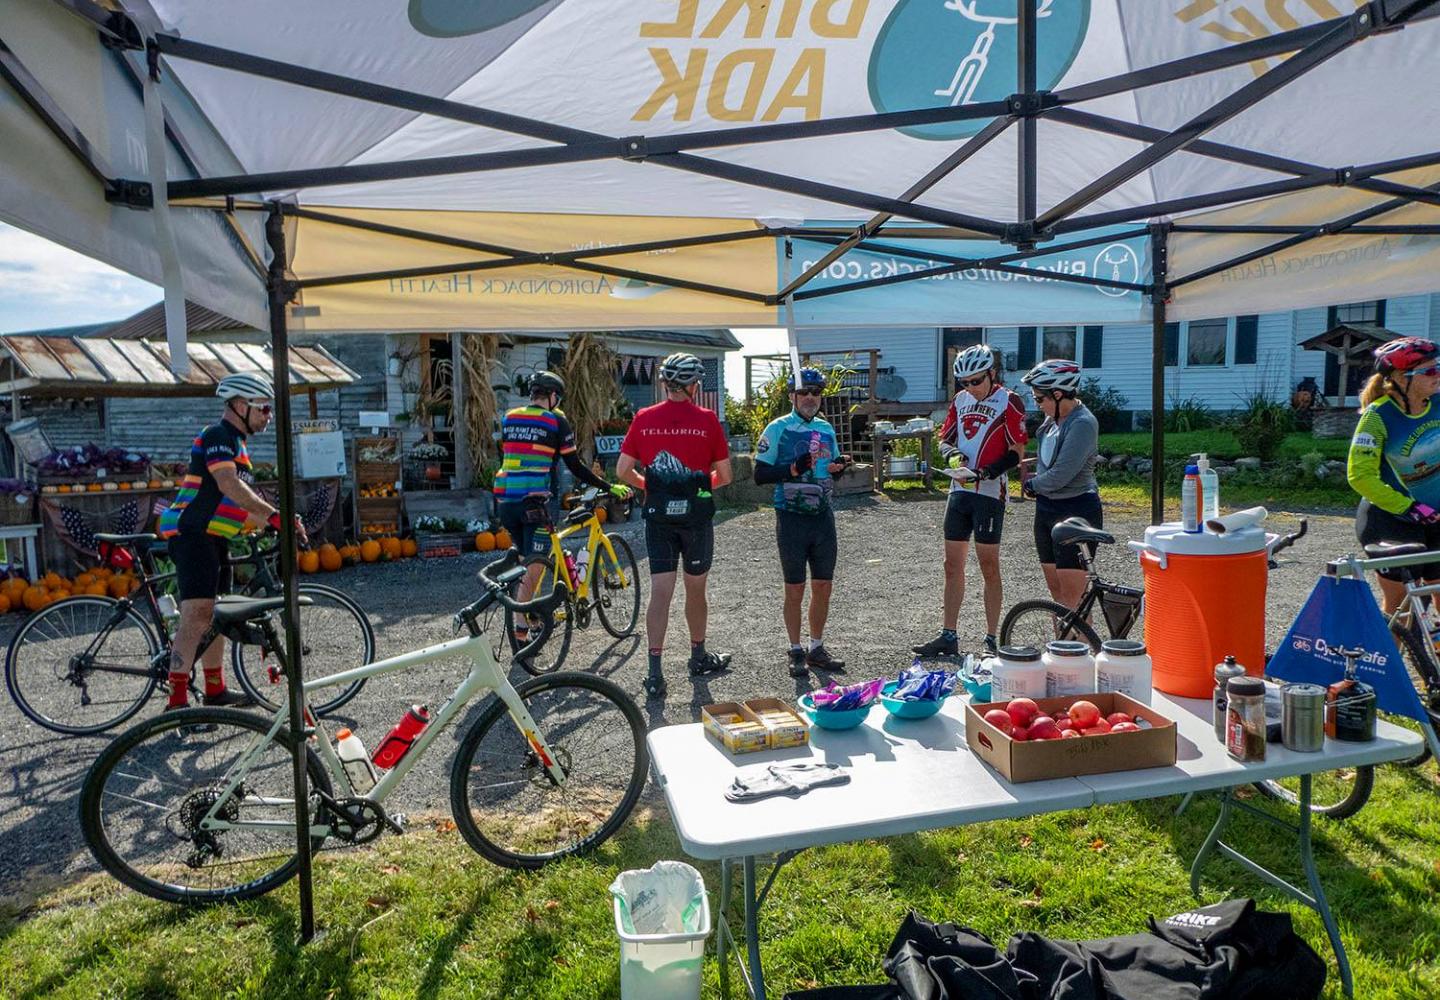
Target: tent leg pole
{"x": 280, "y": 294}
{"x": 1159, "y": 252}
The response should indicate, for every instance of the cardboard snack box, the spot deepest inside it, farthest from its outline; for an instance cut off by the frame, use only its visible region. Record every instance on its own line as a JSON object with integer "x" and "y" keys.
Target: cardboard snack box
{"x": 737, "y": 729}
{"x": 1041, "y": 759}
{"x": 786, "y": 728}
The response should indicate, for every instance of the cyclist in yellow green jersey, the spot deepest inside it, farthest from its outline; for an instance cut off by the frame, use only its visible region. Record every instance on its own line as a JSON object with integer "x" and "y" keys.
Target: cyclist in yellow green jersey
{"x": 1395, "y": 455}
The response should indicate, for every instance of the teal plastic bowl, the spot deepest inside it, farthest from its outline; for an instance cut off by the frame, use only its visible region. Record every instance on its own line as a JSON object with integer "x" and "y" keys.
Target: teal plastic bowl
{"x": 902, "y": 709}
{"x": 847, "y": 719}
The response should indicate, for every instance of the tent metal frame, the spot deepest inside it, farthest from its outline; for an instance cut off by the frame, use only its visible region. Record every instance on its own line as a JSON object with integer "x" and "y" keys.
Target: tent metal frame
{"x": 1305, "y": 47}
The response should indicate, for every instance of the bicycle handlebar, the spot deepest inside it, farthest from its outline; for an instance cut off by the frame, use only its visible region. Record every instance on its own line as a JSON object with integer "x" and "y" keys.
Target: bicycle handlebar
{"x": 1287, "y": 541}
{"x": 496, "y": 589}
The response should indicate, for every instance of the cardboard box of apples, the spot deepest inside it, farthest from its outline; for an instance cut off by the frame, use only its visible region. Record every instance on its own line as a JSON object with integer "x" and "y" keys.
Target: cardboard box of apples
{"x": 1031, "y": 740}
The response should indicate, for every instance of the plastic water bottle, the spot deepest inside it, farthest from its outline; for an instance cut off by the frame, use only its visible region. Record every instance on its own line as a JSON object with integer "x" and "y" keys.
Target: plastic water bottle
{"x": 398, "y": 741}
{"x": 168, "y": 608}
{"x": 1209, "y": 489}
{"x": 1191, "y": 500}
{"x": 570, "y": 567}
{"x": 582, "y": 559}
{"x": 355, "y": 761}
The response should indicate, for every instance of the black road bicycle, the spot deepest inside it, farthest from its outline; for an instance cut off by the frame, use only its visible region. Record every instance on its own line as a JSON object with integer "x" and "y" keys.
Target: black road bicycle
{"x": 85, "y": 664}
{"x": 1037, "y": 622}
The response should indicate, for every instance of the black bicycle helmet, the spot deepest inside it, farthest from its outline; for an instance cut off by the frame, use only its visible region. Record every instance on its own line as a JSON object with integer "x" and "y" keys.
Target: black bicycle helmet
{"x": 546, "y": 382}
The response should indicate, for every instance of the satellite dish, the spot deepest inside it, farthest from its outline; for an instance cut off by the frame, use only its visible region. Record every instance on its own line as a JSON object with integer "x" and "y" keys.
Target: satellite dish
{"x": 889, "y": 387}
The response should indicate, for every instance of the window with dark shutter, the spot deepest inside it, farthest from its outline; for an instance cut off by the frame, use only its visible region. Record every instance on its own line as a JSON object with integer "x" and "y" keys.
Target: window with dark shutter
{"x": 1172, "y": 344}
{"x": 1026, "y": 350}
{"x": 1247, "y": 339}
{"x": 1094, "y": 338}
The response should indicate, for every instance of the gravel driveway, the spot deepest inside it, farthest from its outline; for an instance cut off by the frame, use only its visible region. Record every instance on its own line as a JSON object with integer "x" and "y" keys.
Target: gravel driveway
{"x": 887, "y": 596}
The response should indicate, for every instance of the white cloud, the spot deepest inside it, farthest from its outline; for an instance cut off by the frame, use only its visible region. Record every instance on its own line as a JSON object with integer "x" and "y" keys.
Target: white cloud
{"x": 45, "y": 285}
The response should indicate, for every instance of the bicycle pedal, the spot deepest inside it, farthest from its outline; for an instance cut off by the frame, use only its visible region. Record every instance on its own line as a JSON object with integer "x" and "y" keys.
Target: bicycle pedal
{"x": 397, "y": 822}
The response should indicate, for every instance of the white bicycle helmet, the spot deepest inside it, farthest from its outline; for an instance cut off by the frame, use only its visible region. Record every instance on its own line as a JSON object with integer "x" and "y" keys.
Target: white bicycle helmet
{"x": 972, "y": 361}
{"x": 1057, "y": 373}
{"x": 681, "y": 369}
{"x": 245, "y": 385}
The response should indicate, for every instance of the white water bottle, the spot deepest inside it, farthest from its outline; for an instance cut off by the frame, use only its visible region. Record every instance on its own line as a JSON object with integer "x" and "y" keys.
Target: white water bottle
{"x": 582, "y": 557}
{"x": 356, "y": 761}
{"x": 167, "y": 606}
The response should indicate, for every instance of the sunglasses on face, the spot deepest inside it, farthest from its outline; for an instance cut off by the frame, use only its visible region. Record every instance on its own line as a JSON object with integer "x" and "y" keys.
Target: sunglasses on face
{"x": 966, "y": 383}
{"x": 265, "y": 408}
{"x": 1431, "y": 372}
{"x": 807, "y": 392}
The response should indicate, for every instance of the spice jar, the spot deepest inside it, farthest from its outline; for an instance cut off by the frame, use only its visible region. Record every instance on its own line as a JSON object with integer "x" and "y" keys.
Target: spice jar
{"x": 1224, "y": 670}
{"x": 1245, "y": 718}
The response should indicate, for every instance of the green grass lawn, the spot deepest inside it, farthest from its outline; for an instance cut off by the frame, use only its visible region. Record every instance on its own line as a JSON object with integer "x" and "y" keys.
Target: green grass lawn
{"x": 1219, "y": 444}
{"x": 421, "y": 916}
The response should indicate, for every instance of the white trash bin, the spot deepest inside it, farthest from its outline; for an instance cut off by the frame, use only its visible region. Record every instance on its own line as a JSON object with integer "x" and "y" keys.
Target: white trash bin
{"x": 662, "y": 916}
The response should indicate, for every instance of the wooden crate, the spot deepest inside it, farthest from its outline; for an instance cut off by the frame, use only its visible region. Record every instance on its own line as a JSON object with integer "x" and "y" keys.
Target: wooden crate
{"x": 371, "y": 473}
{"x": 438, "y": 545}
{"x": 377, "y": 515}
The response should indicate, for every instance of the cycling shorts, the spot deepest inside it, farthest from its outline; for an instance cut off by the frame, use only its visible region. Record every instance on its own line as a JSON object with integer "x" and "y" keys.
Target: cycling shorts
{"x": 973, "y": 513}
{"x": 1049, "y": 513}
{"x": 530, "y": 539}
{"x": 806, "y": 540}
{"x": 668, "y": 545}
{"x": 201, "y": 570}
{"x": 1374, "y": 525}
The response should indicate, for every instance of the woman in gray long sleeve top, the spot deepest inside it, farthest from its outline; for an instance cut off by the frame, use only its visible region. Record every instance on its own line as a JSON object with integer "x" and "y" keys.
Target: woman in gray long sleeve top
{"x": 1064, "y": 481}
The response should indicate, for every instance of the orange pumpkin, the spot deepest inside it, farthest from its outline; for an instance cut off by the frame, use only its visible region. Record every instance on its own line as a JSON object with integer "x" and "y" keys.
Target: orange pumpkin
{"x": 502, "y": 539}
{"x": 94, "y": 488}
{"x": 390, "y": 546}
{"x": 84, "y": 579}
{"x": 369, "y": 550}
{"x": 4, "y": 604}
{"x": 408, "y": 547}
{"x": 52, "y": 579}
{"x": 118, "y": 586}
{"x": 309, "y": 561}
{"x": 34, "y": 598}
{"x": 155, "y": 484}
{"x": 330, "y": 559}
{"x": 124, "y": 486}
{"x": 485, "y": 541}
{"x": 96, "y": 589}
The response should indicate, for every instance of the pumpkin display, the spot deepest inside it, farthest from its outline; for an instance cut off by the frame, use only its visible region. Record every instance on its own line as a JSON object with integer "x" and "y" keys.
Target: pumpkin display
{"x": 502, "y": 540}
{"x": 84, "y": 579}
{"x": 96, "y": 589}
{"x": 94, "y": 488}
{"x": 34, "y": 598}
{"x": 409, "y": 547}
{"x": 369, "y": 550}
{"x": 117, "y": 586}
{"x": 309, "y": 561}
{"x": 350, "y": 553}
{"x": 390, "y": 546}
{"x": 485, "y": 541}
{"x": 330, "y": 559}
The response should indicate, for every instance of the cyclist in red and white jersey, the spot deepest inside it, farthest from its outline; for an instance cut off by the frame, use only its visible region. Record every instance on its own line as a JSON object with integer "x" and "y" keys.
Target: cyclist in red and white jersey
{"x": 982, "y": 439}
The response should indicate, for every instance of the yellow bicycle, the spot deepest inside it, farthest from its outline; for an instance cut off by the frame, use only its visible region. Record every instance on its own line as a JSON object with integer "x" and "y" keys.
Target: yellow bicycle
{"x": 600, "y": 577}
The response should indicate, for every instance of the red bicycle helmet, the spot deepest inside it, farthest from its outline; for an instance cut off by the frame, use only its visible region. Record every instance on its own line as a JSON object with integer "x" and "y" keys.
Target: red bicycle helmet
{"x": 1404, "y": 354}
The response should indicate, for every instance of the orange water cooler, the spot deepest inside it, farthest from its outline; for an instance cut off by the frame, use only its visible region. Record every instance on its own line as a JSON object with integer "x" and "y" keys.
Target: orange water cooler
{"x": 1204, "y": 600}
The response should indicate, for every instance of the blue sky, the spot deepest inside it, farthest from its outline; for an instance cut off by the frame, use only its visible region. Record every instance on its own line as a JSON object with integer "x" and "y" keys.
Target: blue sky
{"x": 43, "y": 285}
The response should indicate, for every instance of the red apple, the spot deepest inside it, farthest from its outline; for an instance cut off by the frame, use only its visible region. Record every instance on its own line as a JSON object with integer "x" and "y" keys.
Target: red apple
{"x": 1000, "y": 719}
{"x": 1019, "y": 734}
{"x": 1101, "y": 728}
{"x": 1022, "y": 711}
{"x": 1044, "y": 728}
{"x": 1116, "y": 717}
{"x": 1084, "y": 714}
{"x": 1064, "y": 724}
{"x": 1069, "y": 734}
{"x": 1124, "y": 727}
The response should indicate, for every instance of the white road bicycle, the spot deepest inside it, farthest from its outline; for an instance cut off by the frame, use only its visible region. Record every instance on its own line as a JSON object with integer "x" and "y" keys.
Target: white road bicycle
{"x": 197, "y": 806}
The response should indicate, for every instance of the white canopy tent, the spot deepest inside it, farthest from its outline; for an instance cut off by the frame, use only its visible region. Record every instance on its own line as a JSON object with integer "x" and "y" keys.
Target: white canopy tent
{"x": 560, "y": 164}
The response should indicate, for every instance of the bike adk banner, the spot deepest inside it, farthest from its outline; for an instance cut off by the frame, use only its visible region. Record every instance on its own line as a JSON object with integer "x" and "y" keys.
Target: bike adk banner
{"x": 1341, "y": 614}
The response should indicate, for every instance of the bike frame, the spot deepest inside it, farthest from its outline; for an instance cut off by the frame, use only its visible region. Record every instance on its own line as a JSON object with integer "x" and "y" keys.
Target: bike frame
{"x": 594, "y": 543}
{"x": 485, "y": 675}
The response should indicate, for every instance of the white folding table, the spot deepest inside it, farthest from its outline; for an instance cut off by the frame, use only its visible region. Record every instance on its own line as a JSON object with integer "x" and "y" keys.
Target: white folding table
{"x": 908, "y": 776}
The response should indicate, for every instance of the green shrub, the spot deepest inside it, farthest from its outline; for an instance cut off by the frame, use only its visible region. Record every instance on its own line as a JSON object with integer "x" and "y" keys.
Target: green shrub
{"x": 1108, "y": 404}
{"x": 772, "y": 400}
{"x": 1262, "y": 423}
{"x": 1185, "y": 415}
{"x": 1310, "y": 462}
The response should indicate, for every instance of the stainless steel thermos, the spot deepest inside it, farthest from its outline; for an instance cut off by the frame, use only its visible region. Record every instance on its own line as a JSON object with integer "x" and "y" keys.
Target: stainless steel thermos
{"x": 1302, "y": 720}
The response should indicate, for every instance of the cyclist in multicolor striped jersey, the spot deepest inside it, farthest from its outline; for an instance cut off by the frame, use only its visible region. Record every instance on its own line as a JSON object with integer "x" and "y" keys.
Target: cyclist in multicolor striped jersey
{"x": 1394, "y": 459}
{"x": 533, "y": 440}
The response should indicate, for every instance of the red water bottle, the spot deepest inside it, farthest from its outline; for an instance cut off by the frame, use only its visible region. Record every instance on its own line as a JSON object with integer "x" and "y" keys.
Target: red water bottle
{"x": 397, "y": 742}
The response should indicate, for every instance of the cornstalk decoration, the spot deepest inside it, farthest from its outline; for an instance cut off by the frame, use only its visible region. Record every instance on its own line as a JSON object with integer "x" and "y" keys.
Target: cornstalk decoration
{"x": 476, "y": 352}
{"x": 591, "y": 390}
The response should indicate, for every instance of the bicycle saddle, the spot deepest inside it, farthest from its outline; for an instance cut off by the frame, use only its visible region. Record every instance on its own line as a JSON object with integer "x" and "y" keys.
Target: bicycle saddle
{"x": 577, "y": 515}
{"x": 1383, "y": 550}
{"x": 1074, "y": 530}
{"x": 140, "y": 539}
{"x": 236, "y": 610}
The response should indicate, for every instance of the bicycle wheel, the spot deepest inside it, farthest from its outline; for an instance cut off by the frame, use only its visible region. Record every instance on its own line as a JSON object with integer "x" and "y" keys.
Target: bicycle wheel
{"x": 1333, "y": 794}
{"x": 82, "y": 665}
{"x": 146, "y": 795}
{"x": 335, "y": 634}
{"x": 617, "y": 602}
{"x": 553, "y": 653}
{"x": 1419, "y": 656}
{"x": 504, "y": 802}
{"x": 1034, "y": 623}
